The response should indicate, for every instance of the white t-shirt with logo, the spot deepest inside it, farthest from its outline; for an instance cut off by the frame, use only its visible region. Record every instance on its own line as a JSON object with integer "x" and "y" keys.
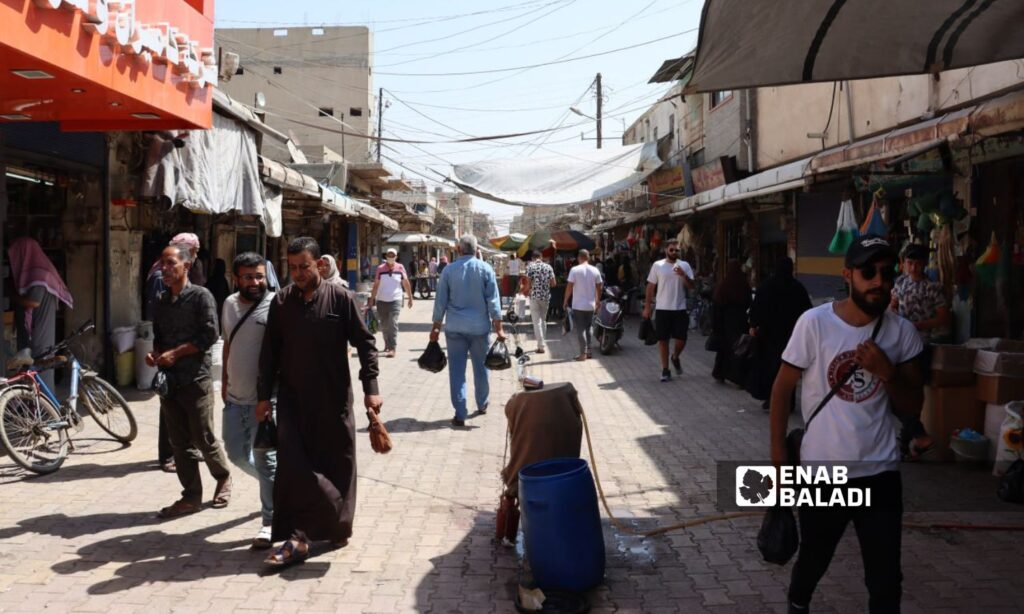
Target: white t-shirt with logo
{"x": 858, "y": 423}
{"x": 584, "y": 278}
{"x": 671, "y": 295}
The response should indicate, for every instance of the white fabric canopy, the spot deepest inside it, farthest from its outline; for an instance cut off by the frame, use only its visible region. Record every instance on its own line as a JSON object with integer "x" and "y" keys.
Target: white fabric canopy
{"x": 562, "y": 179}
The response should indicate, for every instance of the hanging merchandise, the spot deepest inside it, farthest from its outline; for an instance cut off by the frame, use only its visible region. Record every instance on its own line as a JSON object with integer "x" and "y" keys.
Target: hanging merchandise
{"x": 846, "y": 229}
{"x": 987, "y": 266}
{"x": 655, "y": 240}
{"x": 873, "y": 222}
{"x": 631, "y": 238}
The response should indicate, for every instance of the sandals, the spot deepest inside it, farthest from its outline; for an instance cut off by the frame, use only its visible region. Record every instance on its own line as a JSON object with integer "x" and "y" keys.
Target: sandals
{"x": 288, "y": 554}
{"x": 915, "y": 452}
{"x": 168, "y": 466}
{"x": 222, "y": 495}
{"x": 178, "y": 509}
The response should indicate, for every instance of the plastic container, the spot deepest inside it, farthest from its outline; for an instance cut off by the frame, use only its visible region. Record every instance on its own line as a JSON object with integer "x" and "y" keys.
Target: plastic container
{"x": 144, "y": 373}
{"x": 562, "y": 525}
{"x": 124, "y": 368}
{"x": 970, "y": 450}
{"x": 123, "y": 338}
{"x": 144, "y": 330}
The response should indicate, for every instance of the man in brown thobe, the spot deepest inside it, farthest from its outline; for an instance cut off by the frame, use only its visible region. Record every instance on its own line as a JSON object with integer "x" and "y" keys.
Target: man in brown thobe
{"x": 305, "y": 353}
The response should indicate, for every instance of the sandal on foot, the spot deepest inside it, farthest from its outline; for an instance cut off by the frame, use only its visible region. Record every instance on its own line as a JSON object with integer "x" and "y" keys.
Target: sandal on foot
{"x": 580, "y": 358}
{"x": 177, "y": 509}
{"x": 168, "y": 467}
{"x": 289, "y": 553}
{"x": 916, "y": 452}
{"x": 222, "y": 495}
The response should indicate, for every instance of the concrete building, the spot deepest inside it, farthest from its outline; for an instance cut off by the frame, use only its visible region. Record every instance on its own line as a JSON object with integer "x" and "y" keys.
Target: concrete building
{"x": 459, "y": 206}
{"x": 312, "y": 79}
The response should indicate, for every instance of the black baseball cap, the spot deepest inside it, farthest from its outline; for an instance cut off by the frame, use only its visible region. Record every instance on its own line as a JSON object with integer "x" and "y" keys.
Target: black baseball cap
{"x": 915, "y": 251}
{"x": 867, "y": 249}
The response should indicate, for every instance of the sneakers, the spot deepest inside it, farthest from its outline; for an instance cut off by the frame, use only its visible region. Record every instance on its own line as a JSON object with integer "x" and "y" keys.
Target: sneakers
{"x": 677, "y": 365}
{"x": 457, "y": 422}
{"x": 262, "y": 541}
{"x": 665, "y": 375}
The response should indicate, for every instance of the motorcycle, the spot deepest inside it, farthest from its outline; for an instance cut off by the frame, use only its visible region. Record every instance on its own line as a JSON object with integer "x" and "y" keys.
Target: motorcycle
{"x": 609, "y": 322}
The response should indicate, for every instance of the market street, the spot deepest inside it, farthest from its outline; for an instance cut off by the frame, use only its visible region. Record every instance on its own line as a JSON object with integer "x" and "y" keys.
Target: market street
{"x": 86, "y": 539}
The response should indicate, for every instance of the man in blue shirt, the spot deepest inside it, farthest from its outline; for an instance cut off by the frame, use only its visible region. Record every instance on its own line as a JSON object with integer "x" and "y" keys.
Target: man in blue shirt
{"x": 468, "y": 294}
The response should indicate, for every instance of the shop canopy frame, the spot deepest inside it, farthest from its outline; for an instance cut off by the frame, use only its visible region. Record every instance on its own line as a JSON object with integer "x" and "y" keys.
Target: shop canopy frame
{"x": 807, "y": 41}
{"x": 419, "y": 239}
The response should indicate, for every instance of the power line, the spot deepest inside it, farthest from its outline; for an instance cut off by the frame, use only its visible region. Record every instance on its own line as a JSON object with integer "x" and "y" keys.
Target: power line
{"x": 538, "y": 65}
{"x": 418, "y": 20}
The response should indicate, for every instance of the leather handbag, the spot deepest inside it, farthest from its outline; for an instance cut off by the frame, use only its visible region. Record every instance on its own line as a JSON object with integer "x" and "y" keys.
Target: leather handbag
{"x": 744, "y": 346}
{"x": 266, "y": 435}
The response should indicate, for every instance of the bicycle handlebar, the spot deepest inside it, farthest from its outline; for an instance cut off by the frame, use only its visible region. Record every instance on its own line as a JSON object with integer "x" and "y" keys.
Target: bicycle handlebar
{"x": 63, "y": 345}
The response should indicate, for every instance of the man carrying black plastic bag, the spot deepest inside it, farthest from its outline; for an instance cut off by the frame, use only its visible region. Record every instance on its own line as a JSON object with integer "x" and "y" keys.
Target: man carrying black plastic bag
{"x": 854, "y": 428}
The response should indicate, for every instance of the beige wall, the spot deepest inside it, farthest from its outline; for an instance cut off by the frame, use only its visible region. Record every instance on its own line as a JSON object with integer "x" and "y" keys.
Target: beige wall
{"x": 785, "y": 115}
{"x": 322, "y": 67}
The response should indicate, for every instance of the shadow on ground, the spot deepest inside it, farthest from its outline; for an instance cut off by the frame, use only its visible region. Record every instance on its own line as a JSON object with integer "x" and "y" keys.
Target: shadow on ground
{"x": 157, "y": 556}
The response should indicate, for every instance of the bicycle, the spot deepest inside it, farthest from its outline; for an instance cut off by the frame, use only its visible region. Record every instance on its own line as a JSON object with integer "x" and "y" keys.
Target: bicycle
{"x": 701, "y": 316}
{"x": 35, "y": 428}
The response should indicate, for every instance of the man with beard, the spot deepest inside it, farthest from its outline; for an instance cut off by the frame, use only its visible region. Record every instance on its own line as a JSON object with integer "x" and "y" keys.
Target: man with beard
{"x": 854, "y": 427}
{"x": 184, "y": 329}
{"x": 305, "y": 353}
{"x": 669, "y": 279}
{"x": 244, "y": 321}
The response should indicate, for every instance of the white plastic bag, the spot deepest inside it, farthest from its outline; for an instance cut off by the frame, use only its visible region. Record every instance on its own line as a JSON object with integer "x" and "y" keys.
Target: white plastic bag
{"x": 1011, "y": 438}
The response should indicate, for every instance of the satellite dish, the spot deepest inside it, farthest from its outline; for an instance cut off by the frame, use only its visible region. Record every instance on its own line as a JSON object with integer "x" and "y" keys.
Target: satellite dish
{"x": 261, "y": 100}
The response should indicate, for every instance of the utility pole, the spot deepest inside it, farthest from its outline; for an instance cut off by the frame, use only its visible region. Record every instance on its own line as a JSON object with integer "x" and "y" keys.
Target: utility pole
{"x": 380, "y": 118}
{"x": 598, "y": 81}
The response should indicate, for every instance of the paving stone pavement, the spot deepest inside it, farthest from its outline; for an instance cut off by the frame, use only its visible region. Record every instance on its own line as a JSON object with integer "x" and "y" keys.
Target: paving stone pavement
{"x": 86, "y": 539}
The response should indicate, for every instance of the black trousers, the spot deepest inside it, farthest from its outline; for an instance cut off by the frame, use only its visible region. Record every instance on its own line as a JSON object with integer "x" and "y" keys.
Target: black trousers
{"x": 879, "y": 531}
{"x": 164, "y": 451}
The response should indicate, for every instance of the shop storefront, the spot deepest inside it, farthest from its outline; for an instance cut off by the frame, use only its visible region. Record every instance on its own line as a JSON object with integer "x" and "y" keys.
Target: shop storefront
{"x": 70, "y": 74}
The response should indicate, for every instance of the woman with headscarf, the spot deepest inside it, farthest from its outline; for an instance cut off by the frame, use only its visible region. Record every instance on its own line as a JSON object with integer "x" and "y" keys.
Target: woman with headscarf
{"x": 39, "y": 288}
{"x": 731, "y": 299}
{"x": 328, "y": 266}
{"x": 779, "y": 303}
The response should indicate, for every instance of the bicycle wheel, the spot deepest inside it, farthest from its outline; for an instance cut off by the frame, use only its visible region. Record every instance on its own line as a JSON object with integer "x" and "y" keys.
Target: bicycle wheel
{"x": 32, "y": 430}
{"x": 109, "y": 408}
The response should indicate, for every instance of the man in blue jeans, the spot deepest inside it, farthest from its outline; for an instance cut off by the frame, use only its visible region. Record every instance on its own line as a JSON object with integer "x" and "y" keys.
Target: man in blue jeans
{"x": 244, "y": 322}
{"x": 468, "y": 294}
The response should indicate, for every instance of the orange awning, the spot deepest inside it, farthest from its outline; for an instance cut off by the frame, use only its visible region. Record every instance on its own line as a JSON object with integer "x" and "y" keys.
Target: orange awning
{"x": 152, "y": 69}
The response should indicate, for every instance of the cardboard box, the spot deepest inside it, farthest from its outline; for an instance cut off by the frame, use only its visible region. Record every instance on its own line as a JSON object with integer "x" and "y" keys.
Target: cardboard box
{"x": 999, "y": 388}
{"x": 952, "y": 379}
{"x": 999, "y": 363}
{"x": 953, "y": 358}
{"x": 946, "y": 410}
{"x": 994, "y": 415}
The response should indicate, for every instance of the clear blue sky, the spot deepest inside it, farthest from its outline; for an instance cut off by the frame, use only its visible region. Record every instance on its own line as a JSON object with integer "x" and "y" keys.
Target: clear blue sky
{"x": 463, "y": 36}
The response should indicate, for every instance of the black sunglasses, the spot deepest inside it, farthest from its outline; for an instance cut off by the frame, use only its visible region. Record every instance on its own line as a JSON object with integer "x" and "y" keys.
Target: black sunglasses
{"x": 887, "y": 271}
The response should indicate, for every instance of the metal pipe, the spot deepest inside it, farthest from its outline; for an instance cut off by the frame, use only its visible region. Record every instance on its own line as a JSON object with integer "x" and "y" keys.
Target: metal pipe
{"x": 108, "y": 348}
{"x": 750, "y": 134}
{"x": 849, "y": 110}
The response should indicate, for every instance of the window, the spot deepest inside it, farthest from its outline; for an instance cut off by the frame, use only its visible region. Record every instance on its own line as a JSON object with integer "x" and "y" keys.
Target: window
{"x": 326, "y": 112}
{"x": 355, "y": 112}
{"x": 672, "y": 124}
{"x": 277, "y": 70}
{"x": 718, "y": 98}
{"x": 655, "y": 137}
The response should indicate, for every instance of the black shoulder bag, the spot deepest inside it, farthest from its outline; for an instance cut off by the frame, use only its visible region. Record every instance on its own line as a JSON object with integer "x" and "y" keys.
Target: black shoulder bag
{"x": 796, "y": 437}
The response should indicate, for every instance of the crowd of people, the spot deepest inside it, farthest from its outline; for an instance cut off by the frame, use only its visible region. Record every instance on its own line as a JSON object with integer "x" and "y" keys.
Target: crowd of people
{"x": 285, "y": 360}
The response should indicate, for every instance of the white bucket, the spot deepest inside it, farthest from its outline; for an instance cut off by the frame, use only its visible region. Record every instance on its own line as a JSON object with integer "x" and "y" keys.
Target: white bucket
{"x": 144, "y": 373}
{"x": 123, "y": 338}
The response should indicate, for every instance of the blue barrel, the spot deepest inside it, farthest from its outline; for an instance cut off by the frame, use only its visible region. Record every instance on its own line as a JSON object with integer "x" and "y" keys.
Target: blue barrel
{"x": 564, "y": 542}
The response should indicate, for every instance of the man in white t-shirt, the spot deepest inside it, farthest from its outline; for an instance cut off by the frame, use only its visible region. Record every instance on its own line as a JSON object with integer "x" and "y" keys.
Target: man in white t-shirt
{"x": 669, "y": 278}
{"x": 514, "y": 271}
{"x": 584, "y": 290}
{"x": 856, "y": 428}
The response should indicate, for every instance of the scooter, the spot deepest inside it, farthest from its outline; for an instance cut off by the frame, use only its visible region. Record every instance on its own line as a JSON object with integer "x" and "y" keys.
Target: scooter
{"x": 609, "y": 322}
